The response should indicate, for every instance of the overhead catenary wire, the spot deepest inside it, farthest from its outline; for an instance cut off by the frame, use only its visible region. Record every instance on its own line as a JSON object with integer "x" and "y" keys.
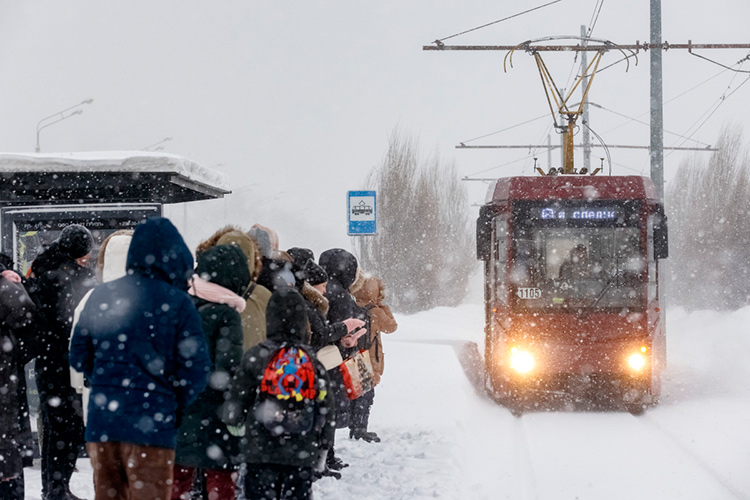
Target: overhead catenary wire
{"x": 740, "y": 62}
{"x": 502, "y": 165}
{"x": 604, "y": 145}
{"x": 631, "y": 119}
{"x": 440, "y": 40}
{"x": 673, "y": 98}
{"x": 594, "y": 17}
{"x": 506, "y": 129}
{"x": 710, "y": 112}
{"x": 695, "y": 127}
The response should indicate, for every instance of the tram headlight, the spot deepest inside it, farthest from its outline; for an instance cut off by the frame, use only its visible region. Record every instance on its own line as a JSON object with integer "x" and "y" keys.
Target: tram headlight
{"x": 637, "y": 361}
{"x": 520, "y": 360}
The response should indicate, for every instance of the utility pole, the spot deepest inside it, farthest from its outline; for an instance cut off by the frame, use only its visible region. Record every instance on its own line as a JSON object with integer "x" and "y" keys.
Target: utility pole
{"x": 584, "y": 86}
{"x": 562, "y": 140}
{"x": 657, "y": 112}
{"x": 549, "y": 151}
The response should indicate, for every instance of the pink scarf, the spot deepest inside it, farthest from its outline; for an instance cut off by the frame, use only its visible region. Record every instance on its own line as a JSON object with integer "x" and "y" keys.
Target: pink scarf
{"x": 11, "y": 276}
{"x": 215, "y": 293}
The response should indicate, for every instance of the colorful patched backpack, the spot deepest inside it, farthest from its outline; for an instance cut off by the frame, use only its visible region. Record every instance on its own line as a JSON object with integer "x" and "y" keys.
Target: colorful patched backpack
{"x": 288, "y": 393}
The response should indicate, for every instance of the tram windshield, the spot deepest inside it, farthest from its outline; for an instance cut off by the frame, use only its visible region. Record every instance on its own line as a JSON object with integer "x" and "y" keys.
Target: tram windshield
{"x": 579, "y": 266}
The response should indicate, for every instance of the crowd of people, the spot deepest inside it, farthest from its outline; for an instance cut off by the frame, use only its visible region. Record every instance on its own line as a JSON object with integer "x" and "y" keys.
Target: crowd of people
{"x": 187, "y": 378}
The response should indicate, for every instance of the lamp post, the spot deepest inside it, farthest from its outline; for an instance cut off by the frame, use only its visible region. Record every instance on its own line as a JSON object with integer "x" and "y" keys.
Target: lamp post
{"x": 148, "y": 148}
{"x": 60, "y": 115}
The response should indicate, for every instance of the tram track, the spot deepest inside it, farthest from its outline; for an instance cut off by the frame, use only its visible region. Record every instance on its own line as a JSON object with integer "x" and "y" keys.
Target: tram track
{"x": 524, "y": 465}
{"x": 651, "y": 423}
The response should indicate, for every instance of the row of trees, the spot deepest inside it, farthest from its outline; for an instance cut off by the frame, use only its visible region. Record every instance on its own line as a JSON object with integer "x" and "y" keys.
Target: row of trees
{"x": 424, "y": 247}
{"x": 708, "y": 204}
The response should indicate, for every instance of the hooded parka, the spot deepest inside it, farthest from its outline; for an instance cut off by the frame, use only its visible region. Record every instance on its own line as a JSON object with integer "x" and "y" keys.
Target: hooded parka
{"x": 286, "y": 323}
{"x": 370, "y": 296}
{"x": 257, "y": 296}
{"x": 203, "y": 439}
{"x": 140, "y": 343}
{"x": 341, "y": 267}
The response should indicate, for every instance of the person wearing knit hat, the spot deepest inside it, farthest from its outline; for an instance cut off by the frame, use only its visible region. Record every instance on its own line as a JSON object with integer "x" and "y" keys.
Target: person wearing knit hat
{"x": 300, "y": 255}
{"x": 314, "y": 274}
{"x": 76, "y": 241}
{"x": 60, "y": 279}
{"x": 327, "y": 334}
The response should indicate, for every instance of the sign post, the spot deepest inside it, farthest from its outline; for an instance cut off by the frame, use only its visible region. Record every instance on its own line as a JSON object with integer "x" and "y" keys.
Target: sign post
{"x": 362, "y": 213}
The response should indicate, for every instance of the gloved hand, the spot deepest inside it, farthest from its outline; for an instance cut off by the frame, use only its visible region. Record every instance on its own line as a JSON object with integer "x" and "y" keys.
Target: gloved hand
{"x": 352, "y": 324}
{"x": 236, "y": 430}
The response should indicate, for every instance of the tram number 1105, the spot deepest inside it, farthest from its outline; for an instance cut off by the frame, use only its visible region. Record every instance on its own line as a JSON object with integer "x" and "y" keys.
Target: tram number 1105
{"x": 529, "y": 293}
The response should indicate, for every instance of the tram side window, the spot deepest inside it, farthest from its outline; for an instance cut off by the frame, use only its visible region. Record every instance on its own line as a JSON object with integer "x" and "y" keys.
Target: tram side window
{"x": 653, "y": 288}
{"x": 501, "y": 260}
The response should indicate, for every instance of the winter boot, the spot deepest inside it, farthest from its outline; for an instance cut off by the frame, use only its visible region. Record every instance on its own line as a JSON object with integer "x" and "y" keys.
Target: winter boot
{"x": 369, "y": 437}
{"x": 327, "y": 473}
{"x": 333, "y": 462}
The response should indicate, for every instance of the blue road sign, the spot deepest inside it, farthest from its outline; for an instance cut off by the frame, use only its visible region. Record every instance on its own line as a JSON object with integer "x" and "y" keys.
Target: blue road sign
{"x": 362, "y": 212}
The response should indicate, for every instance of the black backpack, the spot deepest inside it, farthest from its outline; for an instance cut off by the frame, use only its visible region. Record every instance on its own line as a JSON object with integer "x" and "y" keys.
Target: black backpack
{"x": 288, "y": 394}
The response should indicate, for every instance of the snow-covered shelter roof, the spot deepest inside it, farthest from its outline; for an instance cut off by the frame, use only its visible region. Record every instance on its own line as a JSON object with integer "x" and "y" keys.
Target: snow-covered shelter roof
{"x": 105, "y": 177}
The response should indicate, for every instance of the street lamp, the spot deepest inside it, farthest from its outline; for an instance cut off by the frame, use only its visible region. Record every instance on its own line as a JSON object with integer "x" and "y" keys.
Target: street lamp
{"x": 148, "y": 148}
{"x": 60, "y": 115}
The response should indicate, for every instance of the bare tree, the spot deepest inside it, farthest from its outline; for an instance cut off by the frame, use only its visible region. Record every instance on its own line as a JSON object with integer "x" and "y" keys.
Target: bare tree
{"x": 423, "y": 249}
{"x": 709, "y": 207}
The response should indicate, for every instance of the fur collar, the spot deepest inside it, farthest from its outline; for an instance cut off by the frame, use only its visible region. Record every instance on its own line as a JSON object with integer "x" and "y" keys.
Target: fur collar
{"x": 315, "y": 297}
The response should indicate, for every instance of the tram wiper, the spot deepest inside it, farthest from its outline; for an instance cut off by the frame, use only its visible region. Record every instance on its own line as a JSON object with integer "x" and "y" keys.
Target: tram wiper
{"x": 606, "y": 287}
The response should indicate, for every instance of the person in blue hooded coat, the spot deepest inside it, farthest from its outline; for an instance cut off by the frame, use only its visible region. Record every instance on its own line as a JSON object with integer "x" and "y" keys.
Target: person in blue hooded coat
{"x": 140, "y": 343}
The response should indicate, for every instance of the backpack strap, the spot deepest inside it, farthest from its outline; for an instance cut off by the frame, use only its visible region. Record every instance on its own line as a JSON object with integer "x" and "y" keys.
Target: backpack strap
{"x": 249, "y": 290}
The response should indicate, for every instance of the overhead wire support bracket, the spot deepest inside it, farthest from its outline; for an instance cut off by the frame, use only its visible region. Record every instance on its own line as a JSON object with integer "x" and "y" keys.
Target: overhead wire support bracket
{"x": 593, "y": 48}
{"x": 557, "y": 146}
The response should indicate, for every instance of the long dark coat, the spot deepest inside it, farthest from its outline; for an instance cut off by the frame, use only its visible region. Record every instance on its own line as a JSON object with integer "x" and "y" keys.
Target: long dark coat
{"x": 16, "y": 310}
{"x": 57, "y": 287}
{"x": 203, "y": 439}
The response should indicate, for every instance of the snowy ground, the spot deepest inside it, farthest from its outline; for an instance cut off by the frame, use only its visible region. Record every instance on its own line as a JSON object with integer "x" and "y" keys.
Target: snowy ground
{"x": 443, "y": 439}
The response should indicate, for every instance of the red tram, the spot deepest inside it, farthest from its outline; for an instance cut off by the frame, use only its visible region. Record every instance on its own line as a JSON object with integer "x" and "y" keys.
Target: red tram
{"x": 571, "y": 266}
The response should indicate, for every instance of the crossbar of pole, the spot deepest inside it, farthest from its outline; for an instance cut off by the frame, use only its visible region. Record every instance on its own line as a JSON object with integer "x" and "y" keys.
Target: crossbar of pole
{"x": 549, "y": 146}
{"x": 593, "y": 47}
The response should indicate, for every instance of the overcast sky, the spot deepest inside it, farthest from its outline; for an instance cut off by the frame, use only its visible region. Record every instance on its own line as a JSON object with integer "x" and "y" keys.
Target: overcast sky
{"x": 295, "y": 101}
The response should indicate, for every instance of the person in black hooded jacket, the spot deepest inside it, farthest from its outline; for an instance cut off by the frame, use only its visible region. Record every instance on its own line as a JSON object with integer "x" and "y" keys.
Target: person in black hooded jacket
{"x": 280, "y": 464}
{"x": 16, "y": 310}
{"x": 341, "y": 267}
{"x": 60, "y": 279}
{"x": 311, "y": 282}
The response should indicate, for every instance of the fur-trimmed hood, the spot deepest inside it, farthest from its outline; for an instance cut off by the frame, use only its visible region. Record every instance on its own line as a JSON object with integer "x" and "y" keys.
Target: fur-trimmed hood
{"x": 316, "y": 298}
{"x": 233, "y": 235}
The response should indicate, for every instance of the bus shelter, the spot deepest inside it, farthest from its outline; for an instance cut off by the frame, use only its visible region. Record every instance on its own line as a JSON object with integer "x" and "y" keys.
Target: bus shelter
{"x": 40, "y": 194}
